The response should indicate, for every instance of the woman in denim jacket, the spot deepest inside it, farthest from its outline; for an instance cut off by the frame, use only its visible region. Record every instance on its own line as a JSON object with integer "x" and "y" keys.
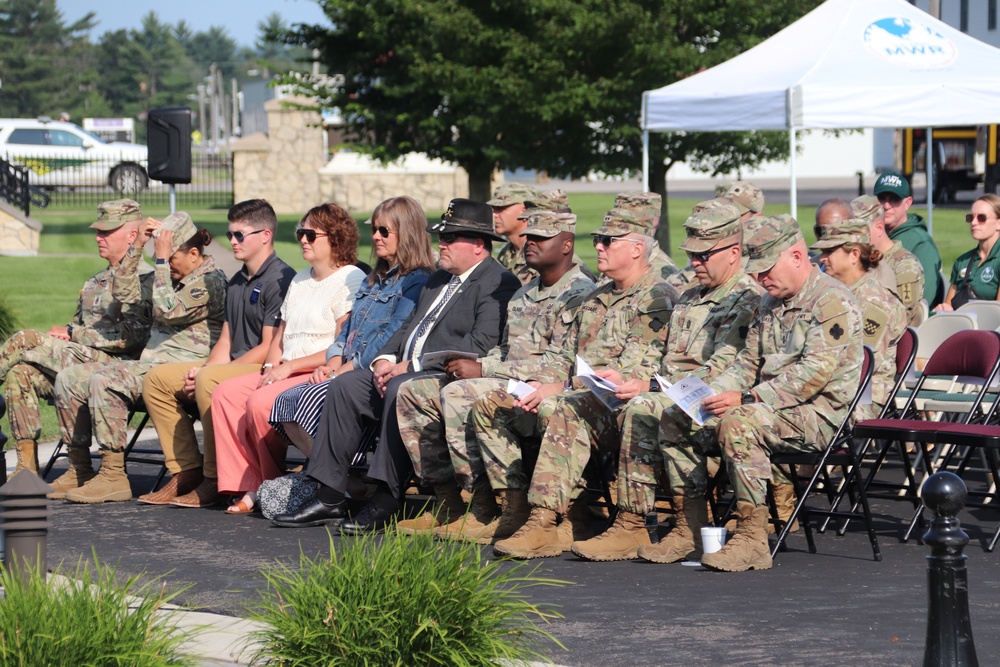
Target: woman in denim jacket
{"x": 404, "y": 261}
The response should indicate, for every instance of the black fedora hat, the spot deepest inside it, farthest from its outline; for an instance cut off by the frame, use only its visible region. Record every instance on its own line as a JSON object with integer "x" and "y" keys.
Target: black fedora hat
{"x": 468, "y": 218}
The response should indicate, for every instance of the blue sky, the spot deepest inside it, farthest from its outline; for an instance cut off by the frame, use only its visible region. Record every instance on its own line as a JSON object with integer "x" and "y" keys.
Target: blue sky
{"x": 239, "y": 17}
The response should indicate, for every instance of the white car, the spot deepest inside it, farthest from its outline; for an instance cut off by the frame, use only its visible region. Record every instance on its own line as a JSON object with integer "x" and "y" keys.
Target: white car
{"x": 65, "y": 155}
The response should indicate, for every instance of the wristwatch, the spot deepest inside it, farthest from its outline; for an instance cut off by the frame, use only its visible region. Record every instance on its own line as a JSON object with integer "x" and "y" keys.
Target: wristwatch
{"x": 654, "y": 384}
{"x": 160, "y": 261}
{"x": 747, "y": 397}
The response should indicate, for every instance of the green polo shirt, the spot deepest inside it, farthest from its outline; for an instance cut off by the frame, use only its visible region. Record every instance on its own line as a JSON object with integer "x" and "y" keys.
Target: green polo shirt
{"x": 985, "y": 279}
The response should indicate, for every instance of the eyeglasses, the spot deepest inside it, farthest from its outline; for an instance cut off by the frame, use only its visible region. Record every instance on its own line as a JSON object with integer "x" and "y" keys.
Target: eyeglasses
{"x": 448, "y": 238}
{"x": 606, "y": 241}
{"x": 308, "y": 234}
{"x": 980, "y": 217}
{"x": 382, "y": 231}
{"x": 705, "y": 256}
{"x": 239, "y": 236}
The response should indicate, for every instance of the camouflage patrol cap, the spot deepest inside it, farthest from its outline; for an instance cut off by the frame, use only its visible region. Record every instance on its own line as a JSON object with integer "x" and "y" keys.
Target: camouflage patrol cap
{"x": 706, "y": 229}
{"x": 747, "y": 196}
{"x": 722, "y": 188}
{"x": 114, "y": 214}
{"x": 550, "y": 200}
{"x": 549, "y": 224}
{"x": 836, "y": 234}
{"x": 712, "y": 203}
{"x": 639, "y": 201}
{"x": 775, "y": 235}
{"x": 866, "y": 207}
{"x": 619, "y": 222}
{"x": 181, "y": 224}
{"x": 512, "y": 193}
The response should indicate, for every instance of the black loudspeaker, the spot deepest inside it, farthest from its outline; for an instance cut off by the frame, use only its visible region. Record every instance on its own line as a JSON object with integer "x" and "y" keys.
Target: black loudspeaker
{"x": 168, "y": 137}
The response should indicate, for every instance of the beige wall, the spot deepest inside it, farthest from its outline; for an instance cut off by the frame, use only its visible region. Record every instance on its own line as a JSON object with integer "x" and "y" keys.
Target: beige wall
{"x": 363, "y": 192}
{"x": 18, "y": 235}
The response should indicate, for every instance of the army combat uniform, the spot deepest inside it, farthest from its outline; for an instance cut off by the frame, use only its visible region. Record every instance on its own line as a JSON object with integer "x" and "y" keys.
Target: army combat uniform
{"x": 102, "y": 329}
{"x": 188, "y": 318}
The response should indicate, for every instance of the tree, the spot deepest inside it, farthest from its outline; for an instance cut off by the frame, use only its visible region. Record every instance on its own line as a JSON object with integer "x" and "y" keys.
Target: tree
{"x": 273, "y": 54}
{"x": 547, "y": 84}
{"x": 213, "y": 46}
{"x": 41, "y": 58}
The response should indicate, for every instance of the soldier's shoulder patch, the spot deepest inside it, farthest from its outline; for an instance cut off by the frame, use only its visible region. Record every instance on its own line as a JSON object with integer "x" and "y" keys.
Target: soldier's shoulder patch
{"x": 873, "y": 323}
{"x": 836, "y": 330}
{"x": 832, "y": 304}
{"x": 195, "y": 295}
{"x": 744, "y": 330}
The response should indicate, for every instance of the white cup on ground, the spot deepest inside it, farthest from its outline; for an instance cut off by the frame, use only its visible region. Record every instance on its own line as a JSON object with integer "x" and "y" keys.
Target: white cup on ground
{"x": 712, "y": 538}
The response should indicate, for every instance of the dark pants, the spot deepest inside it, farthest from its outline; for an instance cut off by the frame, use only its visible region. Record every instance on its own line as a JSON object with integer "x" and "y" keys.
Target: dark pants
{"x": 351, "y": 400}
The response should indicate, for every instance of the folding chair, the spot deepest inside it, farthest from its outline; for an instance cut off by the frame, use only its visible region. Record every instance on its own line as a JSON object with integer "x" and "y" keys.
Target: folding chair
{"x": 973, "y": 357}
{"x": 987, "y": 313}
{"x": 838, "y": 452}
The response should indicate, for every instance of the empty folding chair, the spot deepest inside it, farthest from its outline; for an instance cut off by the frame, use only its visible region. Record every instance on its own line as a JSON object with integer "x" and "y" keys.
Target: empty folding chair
{"x": 987, "y": 313}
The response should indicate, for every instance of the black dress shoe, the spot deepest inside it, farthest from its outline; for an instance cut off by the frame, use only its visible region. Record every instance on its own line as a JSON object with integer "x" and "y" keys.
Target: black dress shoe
{"x": 313, "y": 513}
{"x": 371, "y": 519}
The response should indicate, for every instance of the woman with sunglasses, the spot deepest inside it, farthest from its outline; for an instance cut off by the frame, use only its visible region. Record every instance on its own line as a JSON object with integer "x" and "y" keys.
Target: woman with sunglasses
{"x": 316, "y": 307}
{"x": 846, "y": 254}
{"x": 976, "y": 274}
{"x": 404, "y": 259}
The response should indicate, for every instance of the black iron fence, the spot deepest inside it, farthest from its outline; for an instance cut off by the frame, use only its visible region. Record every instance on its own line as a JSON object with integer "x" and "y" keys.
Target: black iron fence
{"x": 84, "y": 182}
{"x": 16, "y": 190}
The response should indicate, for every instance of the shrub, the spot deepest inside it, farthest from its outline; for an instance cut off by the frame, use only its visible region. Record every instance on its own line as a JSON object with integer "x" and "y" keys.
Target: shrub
{"x": 8, "y": 322}
{"x": 399, "y": 600}
{"x": 94, "y": 620}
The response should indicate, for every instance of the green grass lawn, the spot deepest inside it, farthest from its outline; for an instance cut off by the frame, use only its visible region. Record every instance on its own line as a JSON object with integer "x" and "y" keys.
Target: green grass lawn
{"x": 43, "y": 290}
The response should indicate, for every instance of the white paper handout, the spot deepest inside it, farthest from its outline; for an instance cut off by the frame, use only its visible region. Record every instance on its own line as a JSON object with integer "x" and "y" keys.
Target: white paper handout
{"x": 688, "y": 394}
{"x": 443, "y": 356}
{"x": 603, "y": 389}
{"x": 519, "y": 390}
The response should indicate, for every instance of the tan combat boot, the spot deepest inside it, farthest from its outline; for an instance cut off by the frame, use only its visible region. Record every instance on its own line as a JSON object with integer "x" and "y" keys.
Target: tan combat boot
{"x": 576, "y": 525}
{"x": 183, "y": 482}
{"x": 81, "y": 471}
{"x": 784, "y": 501}
{"x": 684, "y": 541}
{"x": 516, "y": 511}
{"x": 748, "y": 549}
{"x": 619, "y": 542}
{"x": 108, "y": 486}
{"x": 478, "y": 524}
{"x": 537, "y": 538}
{"x": 445, "y": 506}
{"x": 27, "y": 456}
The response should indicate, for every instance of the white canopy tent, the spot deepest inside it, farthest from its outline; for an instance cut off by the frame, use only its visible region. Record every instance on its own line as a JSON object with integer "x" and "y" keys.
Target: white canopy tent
{"x": 847, "y": 64}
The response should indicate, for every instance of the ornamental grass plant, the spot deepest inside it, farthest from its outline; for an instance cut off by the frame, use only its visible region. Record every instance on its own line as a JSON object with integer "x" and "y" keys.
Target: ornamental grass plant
{"x": 91, "y": 617}
{"x": 401, "y": 601}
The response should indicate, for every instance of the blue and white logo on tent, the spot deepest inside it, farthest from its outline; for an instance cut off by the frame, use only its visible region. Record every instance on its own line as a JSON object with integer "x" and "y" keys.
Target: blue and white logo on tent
{"x": 909, "y": 43}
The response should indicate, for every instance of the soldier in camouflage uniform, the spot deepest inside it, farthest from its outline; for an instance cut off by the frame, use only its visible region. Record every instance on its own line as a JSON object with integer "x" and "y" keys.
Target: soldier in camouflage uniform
{"x": 707, "y": 329}
{"x": 434, "y": 412}
{"x": 102, "y": 330}
{"x": 621, "y": 330}
{"x": 787, "y": 390}
{"x": 188, "y": 310}
{"x": 908, "y": 272}
{"x": 650, "y": 203}
{"x": 847, "y": 256}
{"x": 834, "y": 211}
{"x": 509, "y": 203}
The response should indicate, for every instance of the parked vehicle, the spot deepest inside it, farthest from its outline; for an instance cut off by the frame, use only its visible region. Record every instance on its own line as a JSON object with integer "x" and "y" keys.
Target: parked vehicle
{"x": 63, "y": 155}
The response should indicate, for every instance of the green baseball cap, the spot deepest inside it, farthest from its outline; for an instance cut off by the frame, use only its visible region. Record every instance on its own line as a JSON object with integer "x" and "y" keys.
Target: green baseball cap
{"x": 775, "y": 235}
{"x": 113, "y": 214}
{"x": 894, "y": 182}
{"x": 549, "y": 224}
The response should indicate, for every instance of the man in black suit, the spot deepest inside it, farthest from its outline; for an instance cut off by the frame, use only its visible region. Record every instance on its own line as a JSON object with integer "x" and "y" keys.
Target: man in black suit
{"x": 462, "y": 307}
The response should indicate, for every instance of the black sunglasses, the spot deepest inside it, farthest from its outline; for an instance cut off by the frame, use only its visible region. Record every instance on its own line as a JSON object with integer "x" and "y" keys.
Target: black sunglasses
{"x": 606, "y": 241}
{"x": 239, "y": 236}
{"x": 981, "y": 217}
{"x": 448, "y": 238}
{"x": 705, "y": 256}
{"x": 307, "y": 234}
{"x": 381, "y": 231}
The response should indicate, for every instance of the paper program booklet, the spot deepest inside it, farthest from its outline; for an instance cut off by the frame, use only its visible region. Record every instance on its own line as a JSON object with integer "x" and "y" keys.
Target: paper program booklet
{"x": 688, "y": 394}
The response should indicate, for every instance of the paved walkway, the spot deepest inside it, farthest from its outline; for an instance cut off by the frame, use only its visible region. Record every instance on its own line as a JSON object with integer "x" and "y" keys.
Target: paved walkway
{"x": 836, "y": 607}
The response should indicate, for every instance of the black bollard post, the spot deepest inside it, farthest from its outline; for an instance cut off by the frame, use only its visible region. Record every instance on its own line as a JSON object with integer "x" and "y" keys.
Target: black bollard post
{"x": 3, "y": 443}
{"x": 861, "y": 183}
{"x": 949, "y": 629}
{"x": 24, "y": 520}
